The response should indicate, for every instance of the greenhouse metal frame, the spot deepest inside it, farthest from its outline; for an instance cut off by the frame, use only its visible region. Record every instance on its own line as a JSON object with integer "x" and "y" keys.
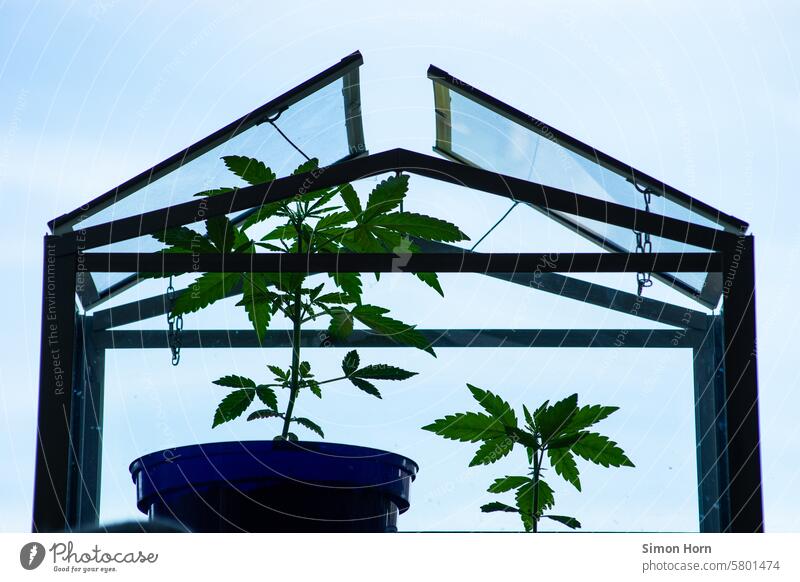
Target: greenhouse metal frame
{"x": 73, "y": 344}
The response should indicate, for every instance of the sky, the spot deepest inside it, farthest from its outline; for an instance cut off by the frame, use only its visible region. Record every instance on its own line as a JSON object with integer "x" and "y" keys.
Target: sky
{"x": 705, "y": 97}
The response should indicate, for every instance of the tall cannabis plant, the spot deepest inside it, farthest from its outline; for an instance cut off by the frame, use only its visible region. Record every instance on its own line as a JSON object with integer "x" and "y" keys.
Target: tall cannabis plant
{"x": 328, "y": 220}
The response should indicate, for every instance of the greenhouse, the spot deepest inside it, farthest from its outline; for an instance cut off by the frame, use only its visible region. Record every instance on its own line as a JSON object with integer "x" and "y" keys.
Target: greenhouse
{"x": 550, "y": 269}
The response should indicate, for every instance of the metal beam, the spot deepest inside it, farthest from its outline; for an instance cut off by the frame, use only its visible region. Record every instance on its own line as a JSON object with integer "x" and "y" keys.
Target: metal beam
{"x": 741, "y": 389}
{"x": 710, "y": 430}
{"x": 53, "y": 444}
{"x": 592, "y": 293}
{"x": 438, "y": 338}
{"x": 561, "y": 285}
{"x": 545, "y": 197}
{"x": 83, "y": 492}
{"x": 141, "y": 309}
{"x": 464, "y": 262}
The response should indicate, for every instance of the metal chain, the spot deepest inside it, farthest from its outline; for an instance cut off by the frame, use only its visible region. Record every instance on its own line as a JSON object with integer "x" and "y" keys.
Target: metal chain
{"x": 643, "y": 244}
{"x": 175, "y": 326}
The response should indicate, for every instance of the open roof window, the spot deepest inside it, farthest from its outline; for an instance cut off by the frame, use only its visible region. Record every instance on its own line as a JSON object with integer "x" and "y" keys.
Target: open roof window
{"x": 476, "y": 129}
{"x": 320, "y": 118}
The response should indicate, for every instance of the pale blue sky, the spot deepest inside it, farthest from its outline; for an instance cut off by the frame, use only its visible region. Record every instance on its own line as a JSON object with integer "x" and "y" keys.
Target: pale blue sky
{"x": 704, "y": 97}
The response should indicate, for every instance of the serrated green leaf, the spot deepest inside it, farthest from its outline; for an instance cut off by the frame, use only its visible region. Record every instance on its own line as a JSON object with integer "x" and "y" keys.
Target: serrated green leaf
{"x": 551, "y": 421}
{"x": 314, "y": 387}
{"x": 386, "y": 196}
{"x": 524, "y": 503}
{"x": 314, "y": 293}
{"x": 181, "y": 237}
{"x": 234, "y": 381}
{"x": 497, "y": 506}
{"x": 528, "y": 417}
{"x": 341, "y": 325}
{"x": 250, "y": 170}
{"x": 286, "y": 282}
{"x": 306, "y": 166}
{"x": 383, "y": 372}
{"x": 391, "y": 242}
{"x": 267, "y": 396}
{"x": 361, "y": 240}
{"x": 350, "y": 362}
{"x": 336, "y": 298}
{"x": 233, "y": 405}
{"x": 318, "y": 200}
{"x": 221, "y": 233}
{"x": 373, "y": 317}
{"x": 494, "y": 405}
{"x": 523, "y": 437}
{"x": 304, "y": 369}
{"x": 329, "y": 221}
{"x": 367, "y": 387}
{"x": 349, "y": 283}
{"x": 587, "y": 416}
{"x": 524, "y": 499}
{"x": 431, "y": 280}
{"x": 264, "y": 212}
{"x": 601, "y": 450}
{"x": 420, "y": 225}
{"x": 279, "y": 373}
{"x": 564, "y": 465}
{"x": 213, "y": 192}
{"x": 207, "y": 289}
{"x": 570, "y": 522}
{"x": 309, "y": 424}
{"x": 263, "y": 414}
{"x": 492, "y": 450}
{"x": 467, "y": 427}
{"x": 566, "y": 441}
{"x": 508, "y": 483}
{"x": 269, "y": 247}
{"x": 351, "y": 201}
{"x": 285, "y": 232}
{"x": 257, "y": 304}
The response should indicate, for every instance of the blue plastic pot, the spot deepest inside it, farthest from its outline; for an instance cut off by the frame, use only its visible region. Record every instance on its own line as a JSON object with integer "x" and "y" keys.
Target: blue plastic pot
{"x": 275, "y": 486}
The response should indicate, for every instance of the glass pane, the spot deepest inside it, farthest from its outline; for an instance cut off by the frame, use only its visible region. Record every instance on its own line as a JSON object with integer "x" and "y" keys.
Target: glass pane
{"x": 315, "y": 124}
{"x": 485, "y": 138}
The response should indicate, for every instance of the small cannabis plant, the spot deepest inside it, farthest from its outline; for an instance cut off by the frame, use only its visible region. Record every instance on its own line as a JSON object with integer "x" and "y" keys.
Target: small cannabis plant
{"x": 558, "y": 431}
{"x": 329, "y": 220}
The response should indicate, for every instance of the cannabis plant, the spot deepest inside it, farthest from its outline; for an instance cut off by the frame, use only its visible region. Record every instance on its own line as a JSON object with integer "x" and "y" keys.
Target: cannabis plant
{"x": 558, "y": 431}
{"x": 329, "y": 220}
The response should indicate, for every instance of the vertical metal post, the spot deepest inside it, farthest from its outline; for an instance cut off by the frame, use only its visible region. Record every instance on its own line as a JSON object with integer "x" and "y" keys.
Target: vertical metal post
{"x": 53, "y": 446}
{"x": 712, "y": 467}
{"x": 83, "y": 490}
{"x": 741, "y": 388}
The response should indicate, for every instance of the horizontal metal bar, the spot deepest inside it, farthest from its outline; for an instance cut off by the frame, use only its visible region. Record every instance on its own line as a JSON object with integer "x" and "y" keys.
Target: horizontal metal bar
{"x": 561, "y": 285}
{"x": 464, "y": 262}
{"x": 141, "y": 309}
{"x": 545, "y": 197}
{"x": 439, "y": 338}
{"x": 593, "y": 293}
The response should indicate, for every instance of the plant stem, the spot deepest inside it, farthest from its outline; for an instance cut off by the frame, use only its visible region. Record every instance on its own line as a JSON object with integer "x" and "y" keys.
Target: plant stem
{"x": 537, "y": 465}
{"x": 297, "y": 317}
{"x": 333, "y": 380}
